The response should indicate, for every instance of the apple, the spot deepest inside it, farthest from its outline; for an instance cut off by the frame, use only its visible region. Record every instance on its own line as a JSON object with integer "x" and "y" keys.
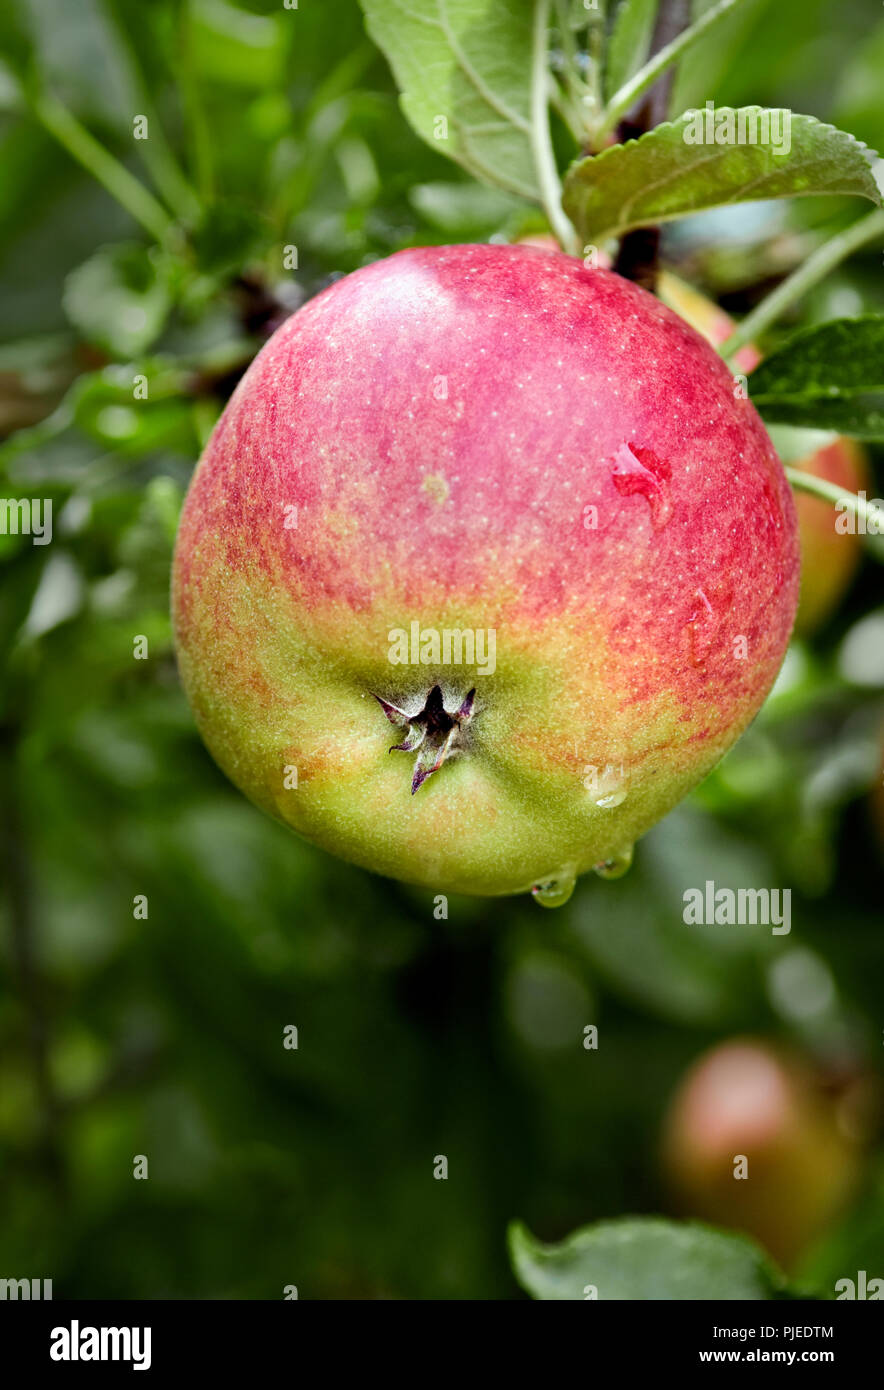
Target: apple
{"x": 829, "y": 558}
{"x": 510, "y": 512}
{"x": 746, "y": 1107}
{"x": 705, "y": 315}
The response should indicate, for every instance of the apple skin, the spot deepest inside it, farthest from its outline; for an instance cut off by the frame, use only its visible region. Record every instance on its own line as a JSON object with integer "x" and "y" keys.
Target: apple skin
{"x": 746, "y": 1097}
{"x": 828, "y": 559}
{"x": 705, "y": 315}
{"x": 615, "y": 645}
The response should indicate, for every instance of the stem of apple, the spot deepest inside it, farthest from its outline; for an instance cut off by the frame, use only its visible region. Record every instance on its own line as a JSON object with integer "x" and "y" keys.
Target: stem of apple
{"x": 830, "y": 492}
{"x": 817, "y": 265}
{"x": 638, "y": 256}
{"x": 541, "y": 139}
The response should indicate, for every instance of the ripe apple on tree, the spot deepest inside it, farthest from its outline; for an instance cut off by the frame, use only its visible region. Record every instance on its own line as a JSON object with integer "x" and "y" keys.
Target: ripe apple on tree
{"x": 499, "y": 444}
{"x": 483, "y": 438}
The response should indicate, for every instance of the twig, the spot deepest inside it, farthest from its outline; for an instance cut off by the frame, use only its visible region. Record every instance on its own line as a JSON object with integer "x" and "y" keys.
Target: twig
{"x": 541, "y": 139}
{"x": 817, "y": 265}
{"x": 639, "y": 249}
{"x": 622, "y": 101}
{"x": 830, "y": 492}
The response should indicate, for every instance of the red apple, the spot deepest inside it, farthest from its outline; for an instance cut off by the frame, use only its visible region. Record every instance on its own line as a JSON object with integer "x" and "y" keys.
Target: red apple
{"x": 705, "y": 315}
{"x": 749, "y": 1108}
{"x": 492, "y": 441}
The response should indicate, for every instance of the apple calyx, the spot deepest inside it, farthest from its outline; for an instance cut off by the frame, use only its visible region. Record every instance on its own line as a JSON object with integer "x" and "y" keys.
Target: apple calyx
{"x": 434, "y": 733}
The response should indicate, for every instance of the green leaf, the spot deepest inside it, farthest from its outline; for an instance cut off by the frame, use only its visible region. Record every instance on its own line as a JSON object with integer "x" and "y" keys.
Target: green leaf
{"x": 644, "y": 1258}
{"x": 459, "y": 209}
{"x": 227, "y": 235}
{"x": 11, "y": 94}
{"x": 829, "y": 377}
{"x": 637, "y": 943}
{"x": 859, "y": 107}
{"x": 464, "y": 65}
{"x": 717, "y": 55}
{"x": 235, "y": 47}
{"x": 81, "y": 58}
{"x": 629, "y": 42}
{"x": 662, "y": 176}
{"x": 31, "y": 165}
{"x": 21, "y": 572}
{"x": 118, "y": 299}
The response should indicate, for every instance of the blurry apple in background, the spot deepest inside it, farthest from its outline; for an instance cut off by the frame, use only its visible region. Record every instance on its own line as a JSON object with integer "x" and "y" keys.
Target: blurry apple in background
{"x": 547, "y": 242}
{"x": 748, "y": 1099}
{"x": 829, "y": 558}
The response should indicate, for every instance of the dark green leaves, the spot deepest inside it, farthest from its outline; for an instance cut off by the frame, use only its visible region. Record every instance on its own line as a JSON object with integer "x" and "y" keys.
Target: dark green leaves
{"x": 464, "y": 74}
{"x": 118, "y": 299}
{"x": 829, "y": 377}
{"x": 238, "y": 48}
{"x": 465, "y": 211}
{"x": 629, "y": 42}
{"x": 227, "y": 235}
{"x": 80, "y": 57}
{"x": 643, "y": 1258}
{"x": 634, "y": 934}
{"x": 675, "y": 170}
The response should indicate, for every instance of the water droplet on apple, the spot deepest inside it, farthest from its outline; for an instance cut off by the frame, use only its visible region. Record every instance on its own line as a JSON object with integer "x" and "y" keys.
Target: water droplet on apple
{"x": 555, "y": 890}
{"x": 606, "y": 785}
{"x": 618, "y": 865}
{"x": 639, "y": 470}
{"x": 612, "y": 799}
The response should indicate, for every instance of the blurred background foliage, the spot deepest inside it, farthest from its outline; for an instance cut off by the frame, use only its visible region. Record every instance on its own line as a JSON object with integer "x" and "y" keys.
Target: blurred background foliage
{"x": 270, "y": 128}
